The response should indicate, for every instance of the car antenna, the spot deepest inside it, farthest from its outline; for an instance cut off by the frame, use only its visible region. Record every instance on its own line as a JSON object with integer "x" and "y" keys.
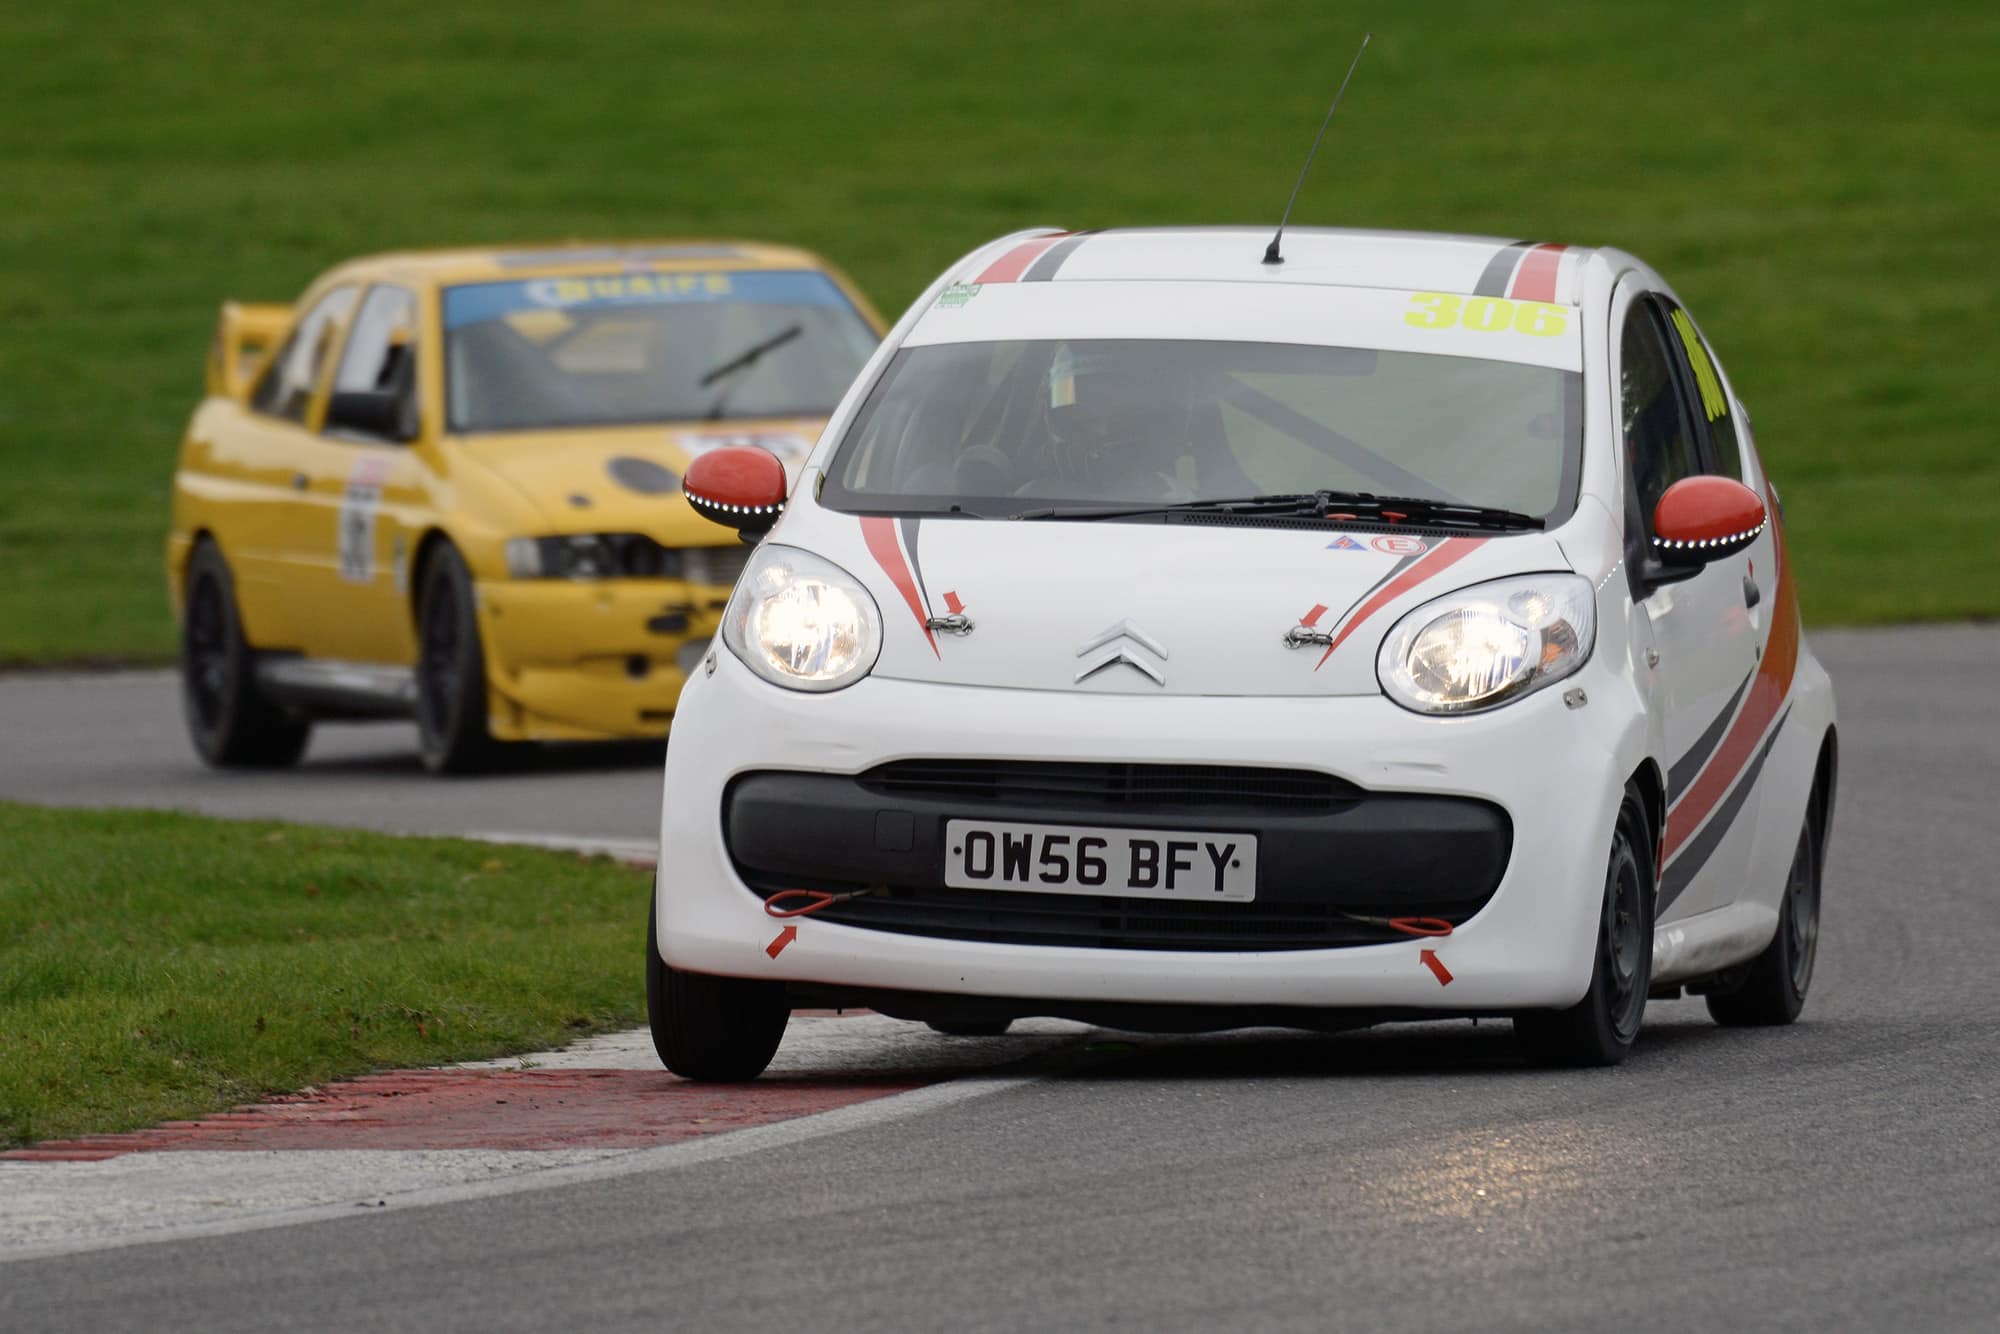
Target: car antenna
{"x": 1271, "y": 255}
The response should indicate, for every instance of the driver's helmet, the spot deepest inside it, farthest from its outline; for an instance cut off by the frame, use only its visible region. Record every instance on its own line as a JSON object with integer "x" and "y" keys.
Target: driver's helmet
{"x": 1111, "y": 414}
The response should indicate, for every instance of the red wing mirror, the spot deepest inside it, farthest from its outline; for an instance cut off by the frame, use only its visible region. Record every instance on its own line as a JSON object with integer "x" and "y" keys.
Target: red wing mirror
{"x": 740, "y": 487}
{"x": 1701, "y": 519}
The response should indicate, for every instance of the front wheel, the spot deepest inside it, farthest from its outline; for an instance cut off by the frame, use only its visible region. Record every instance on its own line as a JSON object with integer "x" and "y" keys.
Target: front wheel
{"x": 451, "y": 670}
{"x": 229, "y": 720}
{"x": 1600, "y": 1028}
{"x": 716, "y": 1030}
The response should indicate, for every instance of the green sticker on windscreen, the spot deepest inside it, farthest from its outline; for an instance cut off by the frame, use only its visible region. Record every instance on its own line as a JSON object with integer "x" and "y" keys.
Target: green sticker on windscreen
{"x": 957, "y": 295}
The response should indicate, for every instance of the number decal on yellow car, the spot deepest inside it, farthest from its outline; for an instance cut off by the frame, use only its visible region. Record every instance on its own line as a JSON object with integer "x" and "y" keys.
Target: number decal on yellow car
{"x": 1486, "y": 314}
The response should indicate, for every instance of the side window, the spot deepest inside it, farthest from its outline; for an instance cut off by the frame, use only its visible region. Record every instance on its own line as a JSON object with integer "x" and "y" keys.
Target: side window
{"x": 1659, "y": 438}
{"x": 381, "y": 352}
{"x": 287, "y": 387}
{"x": 1714, "y": 398}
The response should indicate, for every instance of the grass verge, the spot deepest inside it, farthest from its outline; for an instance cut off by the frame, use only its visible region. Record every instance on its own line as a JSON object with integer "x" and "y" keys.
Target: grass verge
{"x": 1818, "y": 178}
{"x": 157, "y": 966}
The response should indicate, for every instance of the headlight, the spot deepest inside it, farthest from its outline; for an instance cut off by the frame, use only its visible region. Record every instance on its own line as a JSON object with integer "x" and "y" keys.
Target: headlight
{"x": 591, "y": 556}
{"x": 802, "y": 622}
{"x": 1488, "y": 644}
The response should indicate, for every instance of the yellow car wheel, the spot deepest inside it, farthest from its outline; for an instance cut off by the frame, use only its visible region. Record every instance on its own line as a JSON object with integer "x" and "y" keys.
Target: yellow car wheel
{"x": 451, "y": 670}
{"x": 230, "y": 722}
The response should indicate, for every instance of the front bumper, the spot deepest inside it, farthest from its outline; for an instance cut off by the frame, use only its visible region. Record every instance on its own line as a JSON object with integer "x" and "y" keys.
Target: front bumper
{"x": 1334, "y": 863}
{"x": 1552, "y": 770}
{"x": 591, "y": 661}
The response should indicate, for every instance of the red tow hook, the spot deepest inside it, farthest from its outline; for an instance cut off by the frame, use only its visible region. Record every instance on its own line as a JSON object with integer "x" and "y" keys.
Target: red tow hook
{"x": 1426, "y": 927}
{"x": 811, "y": 901}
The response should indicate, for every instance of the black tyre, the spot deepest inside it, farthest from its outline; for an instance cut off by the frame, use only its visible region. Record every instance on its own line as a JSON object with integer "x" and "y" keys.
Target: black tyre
{"x": 230, "y": 722}
{"x": 718, "y": 1030}
{"x": 1600, "y": 1028}
{"x": 971, "y": 1028}
{"x": 1774, "y": 989}
{"x": 451, "y": 669}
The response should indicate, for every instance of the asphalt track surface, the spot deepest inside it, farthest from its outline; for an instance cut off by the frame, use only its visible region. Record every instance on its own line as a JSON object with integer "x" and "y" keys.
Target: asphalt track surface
{"x": 1840, "y": 1174}
{"x": 118, "y": 740}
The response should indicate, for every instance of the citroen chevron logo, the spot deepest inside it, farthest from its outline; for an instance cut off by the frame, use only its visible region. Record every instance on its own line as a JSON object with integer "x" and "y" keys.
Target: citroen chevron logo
{"x": 1126, "y": 643}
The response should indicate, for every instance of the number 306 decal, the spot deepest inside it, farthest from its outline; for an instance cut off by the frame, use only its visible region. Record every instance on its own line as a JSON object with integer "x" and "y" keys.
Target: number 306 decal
{"x": 1486, "y": 314}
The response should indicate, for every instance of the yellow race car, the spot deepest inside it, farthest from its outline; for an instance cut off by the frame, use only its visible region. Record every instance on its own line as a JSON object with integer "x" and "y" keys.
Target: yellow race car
{"x": 446, "y": 485}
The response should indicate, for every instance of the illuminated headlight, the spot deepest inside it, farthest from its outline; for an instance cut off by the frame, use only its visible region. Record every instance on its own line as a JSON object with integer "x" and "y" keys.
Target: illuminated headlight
{"x": 1488, "y": 644}
{"x": 802, "y": 622}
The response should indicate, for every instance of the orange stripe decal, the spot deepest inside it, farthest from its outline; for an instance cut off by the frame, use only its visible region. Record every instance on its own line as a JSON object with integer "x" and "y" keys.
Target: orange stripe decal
{"x": 879, "y": 532}
{"x": 1766, "y": 699}
{"x": 1440, "y": 558}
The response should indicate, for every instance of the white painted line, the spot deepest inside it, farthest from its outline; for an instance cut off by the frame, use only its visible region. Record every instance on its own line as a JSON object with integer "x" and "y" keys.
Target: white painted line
{"x": 622, "y": 849}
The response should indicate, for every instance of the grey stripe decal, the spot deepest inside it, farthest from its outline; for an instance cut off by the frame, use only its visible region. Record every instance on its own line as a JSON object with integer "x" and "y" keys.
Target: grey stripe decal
{"x": 1688, "y": 766}
{"x": 1052, "y": 259}
{"x": 1500, "y": 268}
{"x": 1696, "y": 854}
{"x": 909, "y": 527}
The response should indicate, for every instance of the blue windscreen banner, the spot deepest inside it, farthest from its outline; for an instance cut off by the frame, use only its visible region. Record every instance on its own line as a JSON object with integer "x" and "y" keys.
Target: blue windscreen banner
{"x": 474, "y": 302}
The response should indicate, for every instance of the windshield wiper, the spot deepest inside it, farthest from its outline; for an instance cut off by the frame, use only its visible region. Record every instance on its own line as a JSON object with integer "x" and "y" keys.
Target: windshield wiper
{"x": 743, "y": 361}
{"x": 1359, "y": 506}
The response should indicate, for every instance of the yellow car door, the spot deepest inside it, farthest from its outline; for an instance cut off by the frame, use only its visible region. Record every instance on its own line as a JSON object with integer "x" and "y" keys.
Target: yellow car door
{"x": 247, "y": 473}
{"x": 366, "y": 497}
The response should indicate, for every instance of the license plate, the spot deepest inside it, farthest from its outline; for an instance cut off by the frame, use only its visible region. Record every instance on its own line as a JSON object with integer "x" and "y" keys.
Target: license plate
{"x": 1077, "y": 859}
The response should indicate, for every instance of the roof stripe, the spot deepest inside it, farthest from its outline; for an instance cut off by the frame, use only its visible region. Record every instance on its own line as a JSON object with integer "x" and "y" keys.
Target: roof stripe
{"x": 1045, "y": 267}
{"x": 1535, "y": 280}
{"x": 1010, "y": 266}
{"x": 1493, "y": 282}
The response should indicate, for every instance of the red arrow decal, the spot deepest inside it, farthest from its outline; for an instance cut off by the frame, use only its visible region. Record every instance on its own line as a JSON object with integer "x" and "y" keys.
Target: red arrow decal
{"x": 1311, "y": 618}
{"x": 952, "y": 604}
{"x": 791, "y": 933}
{"x": 1436, "y": 965}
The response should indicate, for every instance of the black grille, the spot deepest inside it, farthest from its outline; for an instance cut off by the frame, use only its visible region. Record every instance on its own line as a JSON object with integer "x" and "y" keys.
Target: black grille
{"x": 1328, "y": 852}
{"x": 1101, "y": 786}
{"x": 1114, "y": 923}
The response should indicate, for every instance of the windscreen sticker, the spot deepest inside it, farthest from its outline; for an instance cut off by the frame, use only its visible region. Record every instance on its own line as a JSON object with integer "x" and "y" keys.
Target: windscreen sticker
{"x": 477, "y": 302}
{"x": 1062, "y": 379}
{"x": 957, "y": 295}
{"x": 1713, "y": 402}
{"x": 1486, "y": 314}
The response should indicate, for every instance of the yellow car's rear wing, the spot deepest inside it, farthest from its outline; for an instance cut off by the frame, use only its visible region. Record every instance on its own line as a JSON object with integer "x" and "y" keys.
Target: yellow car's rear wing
{"x": 245, "y": 334}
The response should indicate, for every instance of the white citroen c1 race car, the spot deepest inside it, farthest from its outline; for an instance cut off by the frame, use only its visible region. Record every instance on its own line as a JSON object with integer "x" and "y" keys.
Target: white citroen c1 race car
{"x": 1171, "y": 640}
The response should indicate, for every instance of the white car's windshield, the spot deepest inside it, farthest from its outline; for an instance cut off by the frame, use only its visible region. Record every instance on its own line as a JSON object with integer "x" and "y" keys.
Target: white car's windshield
{"x": 1008, "y": 427}
{"x": 646, "y": 347}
